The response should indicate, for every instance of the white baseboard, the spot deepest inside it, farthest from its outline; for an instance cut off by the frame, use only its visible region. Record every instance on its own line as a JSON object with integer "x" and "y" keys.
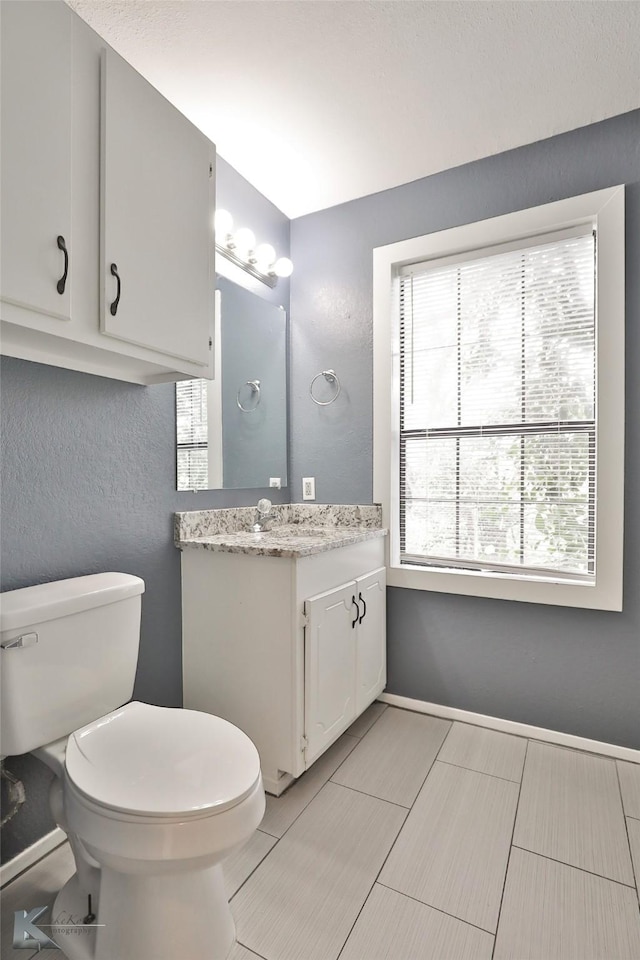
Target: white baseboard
{"x": 31, "y": 855}
{"x": 512, "y": 726}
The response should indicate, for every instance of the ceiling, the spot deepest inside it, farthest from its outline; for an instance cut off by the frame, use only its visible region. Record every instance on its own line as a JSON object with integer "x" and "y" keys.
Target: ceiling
{"x": 317, "y": 102}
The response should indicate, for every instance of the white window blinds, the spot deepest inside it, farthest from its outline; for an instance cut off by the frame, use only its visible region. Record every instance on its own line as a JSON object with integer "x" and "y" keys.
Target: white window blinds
{"x": 497, "y": 410}
{"x": 191, "y": 424}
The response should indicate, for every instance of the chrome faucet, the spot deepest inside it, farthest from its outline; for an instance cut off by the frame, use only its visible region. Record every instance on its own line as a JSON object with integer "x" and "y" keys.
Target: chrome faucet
{"x": 264, "y": 516}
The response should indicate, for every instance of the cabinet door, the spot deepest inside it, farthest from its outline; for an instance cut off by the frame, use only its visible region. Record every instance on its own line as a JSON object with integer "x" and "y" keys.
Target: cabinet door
{"x": 156, "y": 208}
{"x": 330, "y": 667}
{"x": 371, "y": 593}
{"x": 36, "y": 156}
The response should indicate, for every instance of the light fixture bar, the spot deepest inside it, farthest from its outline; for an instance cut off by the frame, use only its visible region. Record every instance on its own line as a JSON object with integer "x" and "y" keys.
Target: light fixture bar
{"x": 269, "y": 278}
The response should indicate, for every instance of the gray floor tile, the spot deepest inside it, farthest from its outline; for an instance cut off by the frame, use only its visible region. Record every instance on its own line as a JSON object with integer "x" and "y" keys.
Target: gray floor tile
{"x": 241, "y": 864}
{"x": 487, "y": 751}
{"x": 633, "y": 829}
{"x": 393, "y": 927}
{"x": 557, "y": 912}
{"x": 570, "y": 810}
{"x": 303, "y": 899}
{"x": 452, "y": 852}
{"x": 367, "y": 719}
{"x": 241, "y": 953}
{"x": 282, "y": 811}
{"x": 629, "y": 774}
{"x": 35, "y": 888}
{"x": 392, "y": 761}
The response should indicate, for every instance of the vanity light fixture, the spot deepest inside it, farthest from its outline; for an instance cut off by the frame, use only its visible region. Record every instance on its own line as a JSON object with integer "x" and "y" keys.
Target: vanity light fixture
{"x": 240, "y": 248}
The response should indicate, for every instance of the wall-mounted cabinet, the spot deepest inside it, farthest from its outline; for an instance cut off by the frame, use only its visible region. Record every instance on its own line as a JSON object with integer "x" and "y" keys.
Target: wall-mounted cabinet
{"x": 291, "y": 650}
{"x": 36, "y": 157}
{"x": 107, "y": 208}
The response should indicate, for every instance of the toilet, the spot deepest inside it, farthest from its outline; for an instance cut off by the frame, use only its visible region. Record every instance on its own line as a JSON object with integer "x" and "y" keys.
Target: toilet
{"x": 151, "y": 798}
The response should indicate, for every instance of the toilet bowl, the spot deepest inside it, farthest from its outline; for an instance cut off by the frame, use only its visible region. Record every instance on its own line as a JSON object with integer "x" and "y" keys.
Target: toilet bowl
{"x": 153, "y": 799}
{"x": 157, "y": 798}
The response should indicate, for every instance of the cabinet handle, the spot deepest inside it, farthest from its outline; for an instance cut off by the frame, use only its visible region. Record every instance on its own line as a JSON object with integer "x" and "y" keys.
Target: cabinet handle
{"x": 364, "y": 612}
{"x": 62, "y": 282}
{"x": 113, "y": 309}
{"x": 353, "y": 622}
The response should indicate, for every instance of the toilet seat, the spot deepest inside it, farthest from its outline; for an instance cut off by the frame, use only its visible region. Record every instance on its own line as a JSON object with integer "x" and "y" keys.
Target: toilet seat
{"x": 150, "y": 762}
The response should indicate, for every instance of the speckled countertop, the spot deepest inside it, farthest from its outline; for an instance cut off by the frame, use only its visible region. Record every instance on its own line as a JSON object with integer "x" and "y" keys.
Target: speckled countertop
{"x": 298, "y": 530}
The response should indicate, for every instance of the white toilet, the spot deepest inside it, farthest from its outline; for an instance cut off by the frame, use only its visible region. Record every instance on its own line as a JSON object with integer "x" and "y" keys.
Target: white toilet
{"x": 152, "y": 798}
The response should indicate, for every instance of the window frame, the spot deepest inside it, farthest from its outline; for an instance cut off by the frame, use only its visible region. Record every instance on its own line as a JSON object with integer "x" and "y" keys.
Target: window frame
{"x": 604, "y": 211}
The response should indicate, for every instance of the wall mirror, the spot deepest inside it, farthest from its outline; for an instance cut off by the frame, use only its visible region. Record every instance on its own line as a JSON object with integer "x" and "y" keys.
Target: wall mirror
{"x": 232, "y": 431}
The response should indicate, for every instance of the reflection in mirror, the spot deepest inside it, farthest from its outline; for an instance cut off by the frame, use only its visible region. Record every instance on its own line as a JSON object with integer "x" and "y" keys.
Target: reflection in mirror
{"x": 232, "y": 431}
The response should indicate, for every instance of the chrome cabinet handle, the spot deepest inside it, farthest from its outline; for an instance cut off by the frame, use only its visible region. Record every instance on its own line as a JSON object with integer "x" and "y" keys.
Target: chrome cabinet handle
{"x": 62, "y": 282}
{"x": 353, "y": 622}
{"x": 364, "y": 612}
{"x": 113, "y": 309}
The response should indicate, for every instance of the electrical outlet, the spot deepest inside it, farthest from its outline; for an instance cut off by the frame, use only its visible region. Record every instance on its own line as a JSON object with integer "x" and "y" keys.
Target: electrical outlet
{"x": 308, "y": 488}
{"x": 275, "y": 482}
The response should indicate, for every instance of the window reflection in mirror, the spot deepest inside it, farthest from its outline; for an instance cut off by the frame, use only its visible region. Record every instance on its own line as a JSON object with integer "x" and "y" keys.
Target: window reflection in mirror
{"x": 232, "y": 431}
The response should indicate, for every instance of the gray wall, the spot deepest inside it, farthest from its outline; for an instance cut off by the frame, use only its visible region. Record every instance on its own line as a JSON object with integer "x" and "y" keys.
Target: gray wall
{"x": 88, "y": 485}
{"x": 572, "y": 670}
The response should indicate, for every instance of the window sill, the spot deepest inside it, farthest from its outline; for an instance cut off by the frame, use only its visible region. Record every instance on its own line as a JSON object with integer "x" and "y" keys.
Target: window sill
{"x": 603, "y": 595}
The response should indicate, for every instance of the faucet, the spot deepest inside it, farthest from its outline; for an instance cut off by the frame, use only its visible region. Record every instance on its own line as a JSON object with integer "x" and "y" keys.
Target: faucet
{"x": 264, "y": 516}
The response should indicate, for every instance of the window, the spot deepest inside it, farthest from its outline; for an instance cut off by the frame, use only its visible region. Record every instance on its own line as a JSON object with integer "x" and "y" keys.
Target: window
{"x": 499, "y": 404}
{"x": 191, "y": 432}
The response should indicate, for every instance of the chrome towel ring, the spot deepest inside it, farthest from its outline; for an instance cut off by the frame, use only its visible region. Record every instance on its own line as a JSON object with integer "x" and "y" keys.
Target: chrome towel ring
{"x": 255, "y": 391}
{"x": 331, "y": 377}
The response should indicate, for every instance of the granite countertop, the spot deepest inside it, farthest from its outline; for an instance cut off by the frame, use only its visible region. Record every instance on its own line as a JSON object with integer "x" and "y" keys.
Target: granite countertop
{"x": 298, "y": 530}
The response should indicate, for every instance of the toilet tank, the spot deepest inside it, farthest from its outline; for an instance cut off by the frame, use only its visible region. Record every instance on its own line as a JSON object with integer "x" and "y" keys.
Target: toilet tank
{"x": 68, "y": 655}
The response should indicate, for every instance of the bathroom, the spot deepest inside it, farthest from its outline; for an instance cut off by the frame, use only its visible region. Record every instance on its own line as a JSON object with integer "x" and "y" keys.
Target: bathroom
{"x": 88, "y": 463}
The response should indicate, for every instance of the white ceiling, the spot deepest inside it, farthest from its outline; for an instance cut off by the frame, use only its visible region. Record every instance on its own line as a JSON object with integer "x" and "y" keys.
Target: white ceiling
{"x": 320, "y": 101}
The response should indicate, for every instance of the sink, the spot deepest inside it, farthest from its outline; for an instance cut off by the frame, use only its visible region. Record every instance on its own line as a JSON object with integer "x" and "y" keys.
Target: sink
{"x": 287, "y": 532}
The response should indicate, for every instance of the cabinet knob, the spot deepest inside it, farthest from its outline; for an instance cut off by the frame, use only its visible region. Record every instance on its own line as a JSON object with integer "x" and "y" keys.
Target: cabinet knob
{"x": 62, "y": 282}
{"x": 113, "y": 309}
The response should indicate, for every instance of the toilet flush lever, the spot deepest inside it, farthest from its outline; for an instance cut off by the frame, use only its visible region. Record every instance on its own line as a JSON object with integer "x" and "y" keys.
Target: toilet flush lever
{"x": 26, "y": 640}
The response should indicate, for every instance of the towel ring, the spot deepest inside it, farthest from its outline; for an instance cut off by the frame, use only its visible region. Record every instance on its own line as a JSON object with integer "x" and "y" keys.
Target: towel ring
{"x": 331, "y": 377}
{"x": 255, "y": 389}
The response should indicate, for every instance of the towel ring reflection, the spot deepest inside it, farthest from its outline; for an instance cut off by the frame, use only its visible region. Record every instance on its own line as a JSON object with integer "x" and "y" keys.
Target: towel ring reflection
{"x": 331, "y": 377}
{"x": 255, "y": 390}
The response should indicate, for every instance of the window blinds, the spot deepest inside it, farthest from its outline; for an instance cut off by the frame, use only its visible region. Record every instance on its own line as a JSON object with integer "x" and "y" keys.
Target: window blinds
{"x": 497, "y": 410}
{"x": 191, "y": 431}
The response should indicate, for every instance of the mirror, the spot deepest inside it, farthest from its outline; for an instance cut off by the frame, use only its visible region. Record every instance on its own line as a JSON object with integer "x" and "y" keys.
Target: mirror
{"x": 232, "y": 431}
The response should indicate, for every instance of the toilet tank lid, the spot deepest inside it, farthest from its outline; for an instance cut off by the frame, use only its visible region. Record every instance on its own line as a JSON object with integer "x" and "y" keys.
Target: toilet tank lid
{"x": 60, "y": 598}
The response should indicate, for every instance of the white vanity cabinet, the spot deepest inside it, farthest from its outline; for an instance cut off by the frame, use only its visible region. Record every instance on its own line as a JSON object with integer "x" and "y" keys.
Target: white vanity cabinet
{"x": 107, "y": 185}
{"x": 345, "y": 657}
{"x": 291, "y": 650}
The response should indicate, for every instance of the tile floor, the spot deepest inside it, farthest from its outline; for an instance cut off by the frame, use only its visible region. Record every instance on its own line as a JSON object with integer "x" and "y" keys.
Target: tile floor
{"x": 413, "y": 838}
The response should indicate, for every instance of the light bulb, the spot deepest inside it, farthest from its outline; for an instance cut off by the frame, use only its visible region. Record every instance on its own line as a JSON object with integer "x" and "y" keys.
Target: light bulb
{"x": 265, "y": 255}
{"x": 283, "y": 267}
{"x": 222, "y": 224}
{"x": 244, "y": 240}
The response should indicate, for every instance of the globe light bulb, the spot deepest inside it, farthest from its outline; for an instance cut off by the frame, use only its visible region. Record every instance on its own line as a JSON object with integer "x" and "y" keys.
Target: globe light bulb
{"x": 245, "y": 240}
{"x": 265, "y": 256}
{"x": 222, "y": 224}
{"x": 283, "y": 267}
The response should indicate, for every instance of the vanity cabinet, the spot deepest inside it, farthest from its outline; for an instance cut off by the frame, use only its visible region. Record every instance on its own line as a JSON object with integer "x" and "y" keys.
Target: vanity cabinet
{"x": 291, "y": 650}
{"x": 107, "y": 208}
{"x": 345, "y": 657}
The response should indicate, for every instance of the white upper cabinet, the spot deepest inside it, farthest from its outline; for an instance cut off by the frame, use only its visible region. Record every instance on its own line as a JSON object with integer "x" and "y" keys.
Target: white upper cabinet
{"x": 36, "y": 157}
{"x": 94, "y": 155}
{"x": 156, "y": 169}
